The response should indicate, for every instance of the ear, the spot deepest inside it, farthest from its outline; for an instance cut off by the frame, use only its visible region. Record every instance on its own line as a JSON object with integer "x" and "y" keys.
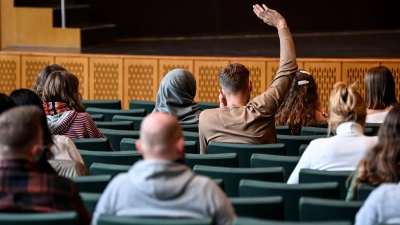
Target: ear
{"x": 138, "y": 145}
{"x": 180, "y": 147}
{"x": 36, "y": 150}
{"x": 250, "y": 86}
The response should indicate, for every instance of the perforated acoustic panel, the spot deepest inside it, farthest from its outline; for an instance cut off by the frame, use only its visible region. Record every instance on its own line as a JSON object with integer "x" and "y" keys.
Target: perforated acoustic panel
{"x": 355, "y": 72}
{"x": 10, "y": 73}
{"x": 80, "y": 67}
{"x": 31, "y": 66}
{"x": 106, "y": 78}
{"x": 140, "y": 80}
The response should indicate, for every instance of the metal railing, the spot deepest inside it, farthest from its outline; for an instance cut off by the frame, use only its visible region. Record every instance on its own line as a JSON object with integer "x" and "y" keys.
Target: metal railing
{"x": 63, "y": 13}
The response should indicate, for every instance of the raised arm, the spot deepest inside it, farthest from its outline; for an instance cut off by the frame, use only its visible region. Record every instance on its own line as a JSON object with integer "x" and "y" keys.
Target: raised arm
{"x": 270, "y": 100}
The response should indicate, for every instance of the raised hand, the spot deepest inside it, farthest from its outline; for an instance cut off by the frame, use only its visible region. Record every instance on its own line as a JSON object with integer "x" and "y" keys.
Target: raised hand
{"x": 269, "y": 16}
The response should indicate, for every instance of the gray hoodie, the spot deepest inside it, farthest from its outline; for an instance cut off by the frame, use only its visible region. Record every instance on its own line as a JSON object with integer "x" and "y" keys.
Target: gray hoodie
{"x": 159, "y": 188}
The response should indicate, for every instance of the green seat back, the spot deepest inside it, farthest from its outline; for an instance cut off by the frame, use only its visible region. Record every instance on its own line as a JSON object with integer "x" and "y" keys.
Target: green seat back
{"x": 220, "y": 183}
{"x": 259, "y": 207}
{"x": 190, "y": 127}
{"x": 375, "y": 128}
{"x": 93, "y": 144}
{"x": 323, "y": 124}
{"x": 252, "y": 221}
{"x": 283, "y": 130}
{"x": 148, "y": 106}
{"x": 137, "y": 120}
{"x": 208, "y": 105}
{"x": 120, "y": 158}
{"x": 293, "y": 143}
{"x": 128, "y": 144}
{"x": 317, "y": 209}
{"x": 102, "y": 104}
{"x": 126, "y": 220}
{"x": 232, "y": 176}
{"x": 90, "y": 200}
{"x": 223, "y": 159}
{"x": 363, "y": 190}
{"x": 59, "y": 218}
{"x": 302, "y": 149}
{"x": 115, "y": 125}
{"x": 192, "y": 136}
{"x": 324, "y": 131}
{"x": 115, "y": 136}
{"x": 245, "y": 151}
{"x": 97, "y": 117}
{"x": 109, "y": 113}
{"x": 291, "y": 193}
{"x": 287, "y": 162}
{"x": 108, "y": 169}
{"x": 95, "y": 184}
{"x": 316, "y": 176}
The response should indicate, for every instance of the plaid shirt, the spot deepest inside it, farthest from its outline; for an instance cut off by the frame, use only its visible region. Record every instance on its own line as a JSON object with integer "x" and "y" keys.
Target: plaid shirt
{"x": 24, "y": 189}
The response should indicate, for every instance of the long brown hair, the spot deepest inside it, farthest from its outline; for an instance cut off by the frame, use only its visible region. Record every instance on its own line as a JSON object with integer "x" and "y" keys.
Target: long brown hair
{"x": 62, "y": 86}
{"x": 300, "y": 105}
{"x": 380, "y": 91}
{"x": 43, "y": 75}
{"x": 381, "y": 164}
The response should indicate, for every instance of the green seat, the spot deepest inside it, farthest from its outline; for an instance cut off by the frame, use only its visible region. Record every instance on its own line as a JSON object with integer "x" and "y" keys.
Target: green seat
{"x": 232, "y": 176}
{"x": 97, "y": 117}
{"x": 302, "y": 149}
{"x": 192, "y": 136}
{"x": 317, "y": 209}
{"x": 94, "y": 184}
{"x": 245, "y": 151}
{"x": 316, "y": 176}
{"x": 108, "y": 169}
{"x": 208, "y": 105}
{"x": 115, "y": 125}
{"x": 90, "y": 200}
{"x": 115, "y": 136}
{"x": 283, "y": 130}
{"x": 129, "y": 144}
{"x": 59, "y": 218}
{"x": 190, "y": 127}
{"x": 93, "y": 144}
{"x": 109, "y": 113}
{"x": 259, "y": 207}
{"x": 324, "y": 131}
{"x": 291, "y": 193}
{"x": 120, "y": 158}
{"x": 363, "y": 191}
{"x": 375, "y": 128}
{"x": 323, "y": 124}
{"x": 223, "y": 159}
{"x": 102, "y": 104}
{"x": 293, "y": 143}
{"x": 128, "y": 220}
{"x": 137, "y": 120}
{"x": 251, "y": 221}
{"x": 287, "y": 162}
{"x": 220, "y": 183}
{"x": 148, "y": 106}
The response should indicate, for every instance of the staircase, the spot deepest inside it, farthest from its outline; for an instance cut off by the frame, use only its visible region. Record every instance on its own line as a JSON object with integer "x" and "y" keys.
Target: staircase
{"x": 77, "y": 16}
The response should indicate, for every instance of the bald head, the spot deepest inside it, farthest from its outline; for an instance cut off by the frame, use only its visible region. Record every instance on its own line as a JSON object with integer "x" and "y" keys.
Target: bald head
{"x": 160, "y": 137}
{"x": 20, "y": 132}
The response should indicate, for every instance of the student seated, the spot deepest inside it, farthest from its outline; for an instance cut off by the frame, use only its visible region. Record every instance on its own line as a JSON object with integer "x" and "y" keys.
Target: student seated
{"x": 345, "y": 150}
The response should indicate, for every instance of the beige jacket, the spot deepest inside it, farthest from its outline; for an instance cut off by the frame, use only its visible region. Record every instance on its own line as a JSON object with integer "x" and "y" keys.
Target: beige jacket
{"x": 255, "y": 122}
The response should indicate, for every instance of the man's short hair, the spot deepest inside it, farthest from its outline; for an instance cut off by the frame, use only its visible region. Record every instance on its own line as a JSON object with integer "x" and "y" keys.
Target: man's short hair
{"x": 234, "y": 77}
{"x": 20, "y": 127}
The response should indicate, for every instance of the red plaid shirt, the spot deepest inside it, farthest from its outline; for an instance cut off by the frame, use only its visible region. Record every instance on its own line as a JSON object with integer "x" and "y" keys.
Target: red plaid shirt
{"x": 24, "y": 189}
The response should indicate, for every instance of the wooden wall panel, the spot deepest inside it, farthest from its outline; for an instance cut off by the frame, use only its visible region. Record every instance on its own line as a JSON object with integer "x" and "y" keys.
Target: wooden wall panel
{"x": 166, "y": 65}
{"x": 395, "y": 68}
{"x": 106, "y": 77}
{"x": 355, "y": 72}
{"x": 80, "y": 67}
{"x": 140, "y": 80}
{"x": 325, "y": 74}
{"x": 31, "y": 66}
{"x": 206, "y": 73}
{"x": 10, "y": 73}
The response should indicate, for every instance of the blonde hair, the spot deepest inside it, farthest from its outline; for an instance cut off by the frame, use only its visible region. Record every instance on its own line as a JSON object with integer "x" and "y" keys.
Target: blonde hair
{"x": 345, "y": 105}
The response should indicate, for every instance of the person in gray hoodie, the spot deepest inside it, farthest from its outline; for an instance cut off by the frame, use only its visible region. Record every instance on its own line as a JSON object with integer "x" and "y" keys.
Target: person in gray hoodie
{"x": 161, "y": 185}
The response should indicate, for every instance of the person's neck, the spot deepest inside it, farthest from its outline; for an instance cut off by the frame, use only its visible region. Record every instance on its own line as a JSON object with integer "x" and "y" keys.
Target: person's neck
{"x": 373, "y": 111}
{"x": 237, "y": 99}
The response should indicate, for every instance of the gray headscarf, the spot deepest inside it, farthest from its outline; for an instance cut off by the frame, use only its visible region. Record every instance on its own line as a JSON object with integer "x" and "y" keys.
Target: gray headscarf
{"x": 175, "y": 96}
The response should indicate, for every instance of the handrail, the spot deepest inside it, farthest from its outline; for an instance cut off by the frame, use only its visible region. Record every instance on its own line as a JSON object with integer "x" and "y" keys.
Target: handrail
{"x": 62, "y": 13}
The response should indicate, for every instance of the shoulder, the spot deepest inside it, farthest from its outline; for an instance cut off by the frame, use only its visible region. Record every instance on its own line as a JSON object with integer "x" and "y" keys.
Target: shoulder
{"x": 208, "y": 114}
{"x": 386, "y": 189}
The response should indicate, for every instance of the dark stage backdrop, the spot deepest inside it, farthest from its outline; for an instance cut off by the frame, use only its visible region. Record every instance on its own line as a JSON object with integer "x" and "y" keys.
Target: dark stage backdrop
{"x": 171, "y": 18}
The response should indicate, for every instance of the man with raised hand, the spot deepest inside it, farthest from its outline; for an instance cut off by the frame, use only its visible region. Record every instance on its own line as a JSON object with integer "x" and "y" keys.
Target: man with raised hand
{"x": 161, "y": 185}
{"x": 239, "y": 119}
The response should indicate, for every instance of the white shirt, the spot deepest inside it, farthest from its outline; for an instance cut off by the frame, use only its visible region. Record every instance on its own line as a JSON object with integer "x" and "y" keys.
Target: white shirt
{"x": 376, "y": 117}
{"x": 65, "y": 149}
{"x": 338, "y": 153}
